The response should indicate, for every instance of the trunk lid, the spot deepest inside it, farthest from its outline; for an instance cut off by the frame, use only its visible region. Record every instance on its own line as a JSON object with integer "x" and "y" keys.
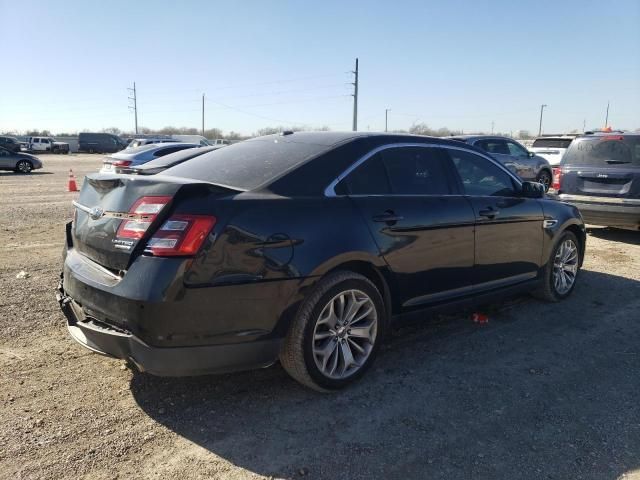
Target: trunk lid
{"x": 106, "y": 202}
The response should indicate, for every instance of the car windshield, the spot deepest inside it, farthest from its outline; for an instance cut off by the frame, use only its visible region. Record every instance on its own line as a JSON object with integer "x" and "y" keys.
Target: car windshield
{"x": 248, "y": 164}
{"x": 604, "y": 151}
{"x": 552, "y": 142}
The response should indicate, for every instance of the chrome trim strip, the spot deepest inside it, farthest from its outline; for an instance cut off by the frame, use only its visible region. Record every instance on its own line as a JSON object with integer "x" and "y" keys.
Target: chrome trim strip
{"x": 591, "y": 199}
{"x": 330, "y": 190}
{"x": 120, "y": 215}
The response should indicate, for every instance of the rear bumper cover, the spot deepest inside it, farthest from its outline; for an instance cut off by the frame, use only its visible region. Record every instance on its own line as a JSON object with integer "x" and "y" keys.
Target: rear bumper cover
{"x": 164, "y": 361}
{"x": 609, "y": 215}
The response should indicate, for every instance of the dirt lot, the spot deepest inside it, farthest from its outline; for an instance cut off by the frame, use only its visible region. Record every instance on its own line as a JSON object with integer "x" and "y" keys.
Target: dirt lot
{"x": 541, "y": 391}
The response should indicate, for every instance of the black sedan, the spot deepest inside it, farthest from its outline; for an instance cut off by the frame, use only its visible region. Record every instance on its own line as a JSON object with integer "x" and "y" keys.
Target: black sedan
{"x": 303, "y": 247}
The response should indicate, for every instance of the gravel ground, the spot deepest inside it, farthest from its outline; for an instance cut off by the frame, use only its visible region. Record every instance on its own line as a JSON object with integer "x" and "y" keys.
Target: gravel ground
{"x": 541, "y": 391}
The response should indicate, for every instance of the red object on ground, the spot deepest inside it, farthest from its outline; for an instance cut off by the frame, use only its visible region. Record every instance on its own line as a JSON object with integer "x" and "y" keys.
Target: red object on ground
{"x": 71, "y": 185}
{"x": 479, "y": 318}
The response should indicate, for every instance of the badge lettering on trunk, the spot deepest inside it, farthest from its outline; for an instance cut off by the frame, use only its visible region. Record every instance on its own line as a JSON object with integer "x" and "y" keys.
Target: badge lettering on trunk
{"x": 122, "y": 244}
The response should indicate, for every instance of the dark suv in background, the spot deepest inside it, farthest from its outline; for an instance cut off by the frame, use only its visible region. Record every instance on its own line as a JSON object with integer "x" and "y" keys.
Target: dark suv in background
{"x": 527, "y": 165}
{"x": 10, "y": 143}
{"x": 600, "y": 174}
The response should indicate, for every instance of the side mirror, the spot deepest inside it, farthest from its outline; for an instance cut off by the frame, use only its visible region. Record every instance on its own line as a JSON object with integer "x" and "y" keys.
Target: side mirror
{"x": 532, "y": 190}
{"x": 531, "y": 154}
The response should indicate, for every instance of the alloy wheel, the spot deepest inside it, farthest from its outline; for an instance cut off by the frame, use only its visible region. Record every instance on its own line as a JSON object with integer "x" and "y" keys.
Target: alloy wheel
{"x": 545, "y": 179}
{"x": 24, "y": 166}
{"x": 345, "y": 334}
{"x": 565, "y": 267}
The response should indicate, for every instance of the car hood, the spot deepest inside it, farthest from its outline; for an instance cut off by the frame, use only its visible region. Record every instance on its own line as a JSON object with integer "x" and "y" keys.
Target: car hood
{"x": 27, "y": 156}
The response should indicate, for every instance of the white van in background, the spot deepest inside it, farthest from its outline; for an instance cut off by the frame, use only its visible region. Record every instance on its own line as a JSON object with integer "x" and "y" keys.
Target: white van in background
{"x": 552, "y": 148}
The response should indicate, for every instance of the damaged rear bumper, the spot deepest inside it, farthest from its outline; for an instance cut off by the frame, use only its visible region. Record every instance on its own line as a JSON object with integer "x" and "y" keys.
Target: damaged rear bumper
{"x": 108, "y": 340}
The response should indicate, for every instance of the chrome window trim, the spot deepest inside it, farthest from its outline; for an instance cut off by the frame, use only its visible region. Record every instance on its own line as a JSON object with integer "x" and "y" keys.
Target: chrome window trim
{"x": 331, "y": 192}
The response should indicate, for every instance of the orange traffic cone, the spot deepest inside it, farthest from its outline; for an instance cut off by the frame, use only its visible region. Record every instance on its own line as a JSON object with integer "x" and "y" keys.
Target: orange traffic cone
{"x": 71, "y": 185}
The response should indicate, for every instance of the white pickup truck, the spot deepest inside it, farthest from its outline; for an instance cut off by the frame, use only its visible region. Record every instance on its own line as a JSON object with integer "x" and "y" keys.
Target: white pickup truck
{"x": 47, "y": 144}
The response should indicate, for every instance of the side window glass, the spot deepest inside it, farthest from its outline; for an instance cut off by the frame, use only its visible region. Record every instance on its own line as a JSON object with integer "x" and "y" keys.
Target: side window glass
{"x": 516, "y": 150}
{"x": 479, "y": 176}
{"x": 370, "y": 178}
{"x": 494, "y": 146}
{"x": 416, "y": 171}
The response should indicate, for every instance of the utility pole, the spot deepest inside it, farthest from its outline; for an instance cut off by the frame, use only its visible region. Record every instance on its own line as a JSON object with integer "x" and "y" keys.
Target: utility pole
{"x": 386, "y": 119}
{"x": 492, "y": 125}
{"x": 542, "y": 107}
{"x": 584, "y": 125}
{"x": 203, "y": 114}
{"x": 355, "y": 98}
{"x": 135, "y": 104}
{"x": 606, "y": 119}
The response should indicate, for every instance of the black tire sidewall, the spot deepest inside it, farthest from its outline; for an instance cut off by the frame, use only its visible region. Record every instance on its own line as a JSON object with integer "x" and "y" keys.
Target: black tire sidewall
{"x": 549, "y": 276}
{"x": 312, "y": 369}
{"x": 548, "y": 185}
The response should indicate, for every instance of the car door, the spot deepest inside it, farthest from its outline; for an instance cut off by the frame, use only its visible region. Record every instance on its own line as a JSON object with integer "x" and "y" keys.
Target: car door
{"x": 525, "y": 163}
{"x": 7, "y": 159}
{"x": 422, "y": 225}
{"x": 509, "y": 232}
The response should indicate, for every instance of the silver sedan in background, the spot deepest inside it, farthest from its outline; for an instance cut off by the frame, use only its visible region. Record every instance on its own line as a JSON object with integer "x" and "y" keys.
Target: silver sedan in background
{"x": 125, "y": 160}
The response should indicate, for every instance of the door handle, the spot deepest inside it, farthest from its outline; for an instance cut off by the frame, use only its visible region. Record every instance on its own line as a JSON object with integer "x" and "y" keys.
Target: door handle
{"x": 388, "y": 216}
{"x": 489, "y": 212}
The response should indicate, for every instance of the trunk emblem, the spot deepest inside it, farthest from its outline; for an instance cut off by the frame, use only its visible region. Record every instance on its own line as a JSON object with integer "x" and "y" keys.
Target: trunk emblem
{"x": 96, "y": 212}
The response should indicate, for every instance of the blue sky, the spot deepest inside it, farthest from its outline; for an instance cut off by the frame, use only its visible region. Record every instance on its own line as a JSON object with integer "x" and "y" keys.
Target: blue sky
{"x": 459, "y": 64}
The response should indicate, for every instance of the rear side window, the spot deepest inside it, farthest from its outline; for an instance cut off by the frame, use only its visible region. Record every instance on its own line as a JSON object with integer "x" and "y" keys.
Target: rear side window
{"x": 479, "y": 176}
{"x": 604, "y": 151}
{"x": 402, "y": 171}
{"x": 167, "y": 151}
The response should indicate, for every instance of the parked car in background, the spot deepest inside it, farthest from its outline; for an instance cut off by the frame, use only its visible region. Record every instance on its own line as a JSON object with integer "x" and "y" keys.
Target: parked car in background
{"x": 303, "y": 247}
{"x": 514, "y": 156}
{"x": 600, "y": 174}
{"x": 10, "y": 143}
{"x": 18, "y": 162}
{"x": 124, "y": 161}
{"x": 551, "y": 148}
{"x": 47, "y": 144}
{"x": 100, "y": 143}
{"x": 199, "y": 139}
{"x": 158, "y": 165}
{"x": 139, "y": 142}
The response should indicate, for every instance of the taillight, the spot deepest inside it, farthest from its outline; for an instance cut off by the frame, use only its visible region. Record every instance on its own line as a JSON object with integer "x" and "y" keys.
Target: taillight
{"x": 121, "y": 163}
{"x": 180, "y": 235}
{"x": 146, "y": 210}
{"x": 557, "y": 179}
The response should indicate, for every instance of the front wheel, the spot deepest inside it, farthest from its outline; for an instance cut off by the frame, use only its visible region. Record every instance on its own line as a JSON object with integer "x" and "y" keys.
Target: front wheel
{"x": 562, "y": 269}
{"x": 336, "y": 334}
{"x": 24, "y": 166}
{"x": 544, "y": 177}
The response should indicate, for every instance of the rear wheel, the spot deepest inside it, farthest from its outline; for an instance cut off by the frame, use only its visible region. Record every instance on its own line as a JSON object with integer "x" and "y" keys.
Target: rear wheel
{"x": 562, "y": 270}
{"x": 544, "y": 177}
{"x": 24, "y": 166}
{"x": 336, "y": 333}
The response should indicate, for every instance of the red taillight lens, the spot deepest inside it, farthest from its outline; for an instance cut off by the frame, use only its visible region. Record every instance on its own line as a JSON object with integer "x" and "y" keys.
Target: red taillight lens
{"x": 180, "y": 235}
{"x": 557, "y": 179}
{"x": 146, "y": 209}
{"x": 121, "y": 163}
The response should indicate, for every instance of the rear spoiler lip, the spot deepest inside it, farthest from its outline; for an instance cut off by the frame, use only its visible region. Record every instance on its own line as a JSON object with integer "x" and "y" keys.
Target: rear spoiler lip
{"x": 160, "y": 178}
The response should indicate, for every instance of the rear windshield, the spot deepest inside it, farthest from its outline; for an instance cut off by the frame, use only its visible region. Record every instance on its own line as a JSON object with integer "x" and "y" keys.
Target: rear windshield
{"x": 249, "y": 164}
{"x": 604, "y": 151}
{"x": 552, "y": 142}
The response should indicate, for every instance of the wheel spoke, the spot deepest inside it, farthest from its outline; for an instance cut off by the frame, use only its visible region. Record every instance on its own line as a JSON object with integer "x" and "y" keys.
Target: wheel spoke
{"x": 347, "y": 356}
{"x": 355, "y": 345}
{"x": 360, "y": 332}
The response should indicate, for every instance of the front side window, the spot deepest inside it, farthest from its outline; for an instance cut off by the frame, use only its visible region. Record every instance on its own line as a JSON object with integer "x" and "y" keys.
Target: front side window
{"x": 494, "y": 146}
{"x": 517, "y": 150}
{"x": 479, "y": 176}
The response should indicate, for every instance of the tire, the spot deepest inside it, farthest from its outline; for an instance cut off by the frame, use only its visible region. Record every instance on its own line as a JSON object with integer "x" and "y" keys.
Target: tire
{"x": 550, "y": 290}
{"x": 91, "y": 150}
{"x": 299, "y": 357}
{"x": 24, "y": 166}
{"x": 544, "y": 177}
